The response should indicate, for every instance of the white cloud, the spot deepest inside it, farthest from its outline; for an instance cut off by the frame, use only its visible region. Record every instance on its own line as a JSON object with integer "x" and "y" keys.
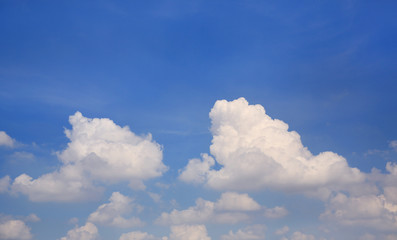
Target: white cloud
{"x": 6, "y": 140}
{"x": 202, "y": 212}
{"x": 230, "y": 208}
{"x": 393, "y": 145}
{"x": 4, "y": 184}
{"x": 87, "y": 232}
{"x": 156, "y": 197}
{"x": 370, "y": 211}
{"x": 110, "y": 152}
{"x": 276, "y": 212}
{"x": 111, "y": 214}
{"x": 189, "y": 232}
{"x": 282, "y": 230}
{"x": 14, "y": 229}
{"x": 197, "y": 171}
{"x": 248, "y": 233}
{"x": 66, "y": 185}
{"x": 32, "y": 218}
{"x": 100, "y": 151}
{"x": 231, "y": 201}
{"x": 301, "y": 236}
{"x": 257, "y": 152}
{"x": 137, "y": 236}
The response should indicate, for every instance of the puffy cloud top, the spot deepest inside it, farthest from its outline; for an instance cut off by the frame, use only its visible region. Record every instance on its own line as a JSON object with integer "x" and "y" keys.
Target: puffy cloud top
{"x": 14, "y": 229}
{"x": 111, "y": 213}
{"x": 87, "y": 232}
{"x": 110, "y": 152}
{"x": 257, "y": 152}
{"x": 100, "y": 151}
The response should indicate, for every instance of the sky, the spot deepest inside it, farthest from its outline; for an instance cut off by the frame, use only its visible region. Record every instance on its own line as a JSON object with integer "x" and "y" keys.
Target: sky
{"x": 198, "y": 120}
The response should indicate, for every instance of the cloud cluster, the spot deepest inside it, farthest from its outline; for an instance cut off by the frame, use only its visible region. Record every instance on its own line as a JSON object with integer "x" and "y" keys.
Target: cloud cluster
{"x": 87, "y": 232}
{"x": 6, "y": 140}
{"x": 373, "y": 211}
{"x": 230, "y": 208}
{"x": 137, "y": 236}
{"x": 178, "y": 232}
{"x": 111, "y": 214}
{"x": 100, "y": 151}
{"x": 258, "y": 152}
{"x": 14, "y": 229}
{"x": 248, "y": 233}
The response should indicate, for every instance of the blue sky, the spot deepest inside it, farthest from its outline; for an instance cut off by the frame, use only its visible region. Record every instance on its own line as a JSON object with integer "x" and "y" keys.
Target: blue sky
{"x": 325, "y": 68}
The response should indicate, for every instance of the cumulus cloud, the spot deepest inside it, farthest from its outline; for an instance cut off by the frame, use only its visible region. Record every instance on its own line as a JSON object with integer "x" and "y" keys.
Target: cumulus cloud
{"x": 248, "y": 233}
{"x": 230, "y": 208}
{"x": 66, "y": 185}
{"x": 258, "y": 152}
{"x": 87, "y": 232}
{"x": 370, "y": 211}
{"x": 301, "y": 236}
{"x": 137, "y": 236}
{"x": 111, "y": 214}
{"x": 276, "y": 212}
{"x": 189, "y": 232}
{"x": 6, "y": 140}
{"x": 231, "y": 201}
{"x": 14, "y": 229}
{"x": 376, "y": 211}
{"x": 100, "y": 151}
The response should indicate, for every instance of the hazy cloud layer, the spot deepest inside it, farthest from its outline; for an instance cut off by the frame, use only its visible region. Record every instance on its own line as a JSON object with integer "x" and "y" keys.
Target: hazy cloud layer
{"x": 101, "y": 151}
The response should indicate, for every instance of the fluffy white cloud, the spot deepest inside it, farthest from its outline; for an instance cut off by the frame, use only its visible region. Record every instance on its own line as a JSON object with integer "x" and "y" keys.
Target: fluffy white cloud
{"x": 258, "y": 152}
{"x": 230, "y": 208}
{"x": 137, "y": 236}
{"x": 248, "y": 233}
{"x": 189, "y": 232}
{"x": 66, "y": 185}
{"x": 4, "y": 183}
{"x": 87, "y": 232}
{"x": 276, "y": 212}
{"x": 200, "y": 213}
{"x": 196, "y": 170}
{"x": 231, "y": 201}
{"x": 377, "y": 211}
{"x": 6, "y": 140}
{"x": 110, "y": 152}
{"x": 11, "y": 229}
{"x": 370, "y": 211}
{"x": 100, "y": 151}
{"x": 110, "y": 214}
